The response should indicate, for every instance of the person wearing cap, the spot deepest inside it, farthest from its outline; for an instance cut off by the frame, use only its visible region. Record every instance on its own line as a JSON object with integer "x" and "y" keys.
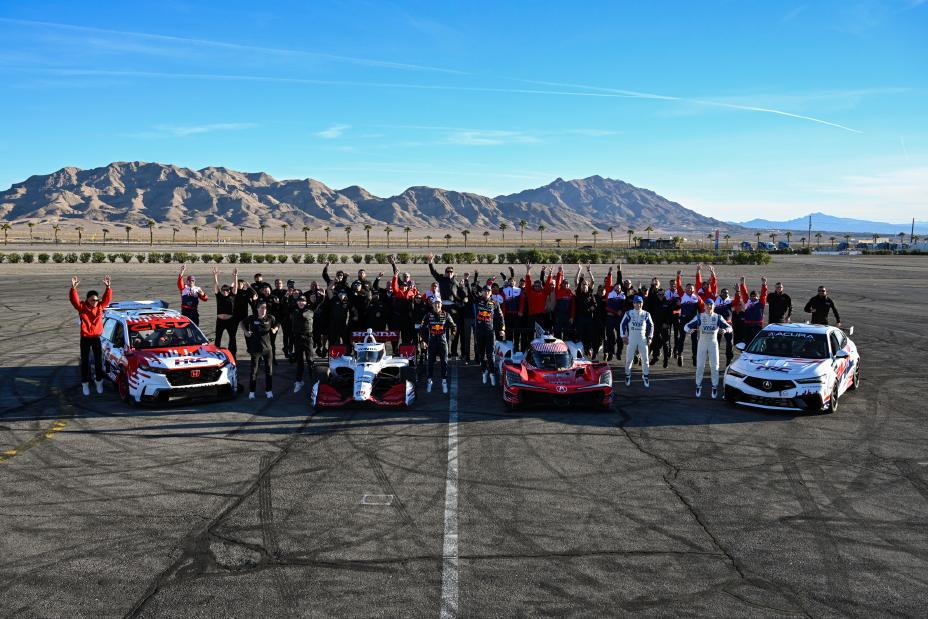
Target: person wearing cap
{"x": 820, "y": 305}
{"x": 691, "y": 304}
{"x": 752, "y": 308}
{"x": 301, "y": 336}
{"x": 707, "y": 325}
{"x": 339, "y": 315}
{"x": 403, "y": 292}
{"x": 258, "y": 329}
{"x": 339, "y": 283}
{"x": 225, "y": 311}
{"x": 190, "y": 296}
{"x": 488, "y": 323}
{"x": 637, "y": 330}
{"x": 436, "y": 327}
{"x": 90, "y": 315}
{"x": 615, "y": 310}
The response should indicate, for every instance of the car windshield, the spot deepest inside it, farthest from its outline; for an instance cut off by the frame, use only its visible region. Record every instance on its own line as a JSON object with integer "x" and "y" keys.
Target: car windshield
{"x": 369, "y": 356}
{"x": 792, "y": 344}
{"x": 164, "y": 337}
{"x": 550, "y": 360}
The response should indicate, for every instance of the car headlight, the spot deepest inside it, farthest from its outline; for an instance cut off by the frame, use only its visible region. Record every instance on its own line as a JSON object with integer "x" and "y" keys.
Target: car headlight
{"x": 605, "y": 378}
{"x": 147, "y": 368}
{"x": 735, "y": 373}
{"x": 512, "y": 377}
{"x": 815, "y": 380}
{"x": 225, "y": 361}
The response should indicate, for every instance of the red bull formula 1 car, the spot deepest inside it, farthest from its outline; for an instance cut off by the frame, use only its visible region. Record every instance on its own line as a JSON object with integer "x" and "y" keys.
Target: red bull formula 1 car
{"x": 368, "y": 374}
{"x": 154, "y": 354}
{"x": 552, "y": 373}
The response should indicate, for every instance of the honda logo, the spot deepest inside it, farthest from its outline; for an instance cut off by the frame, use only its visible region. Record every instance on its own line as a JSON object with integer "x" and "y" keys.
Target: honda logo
{"x": 194, "y": 373}
{"x": 768, "y": 385}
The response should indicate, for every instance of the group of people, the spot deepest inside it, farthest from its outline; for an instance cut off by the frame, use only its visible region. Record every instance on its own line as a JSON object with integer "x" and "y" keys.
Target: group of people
{"x": 462, "y": 317}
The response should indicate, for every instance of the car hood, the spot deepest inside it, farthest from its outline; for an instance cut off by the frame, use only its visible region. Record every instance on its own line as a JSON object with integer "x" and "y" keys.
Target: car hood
{"x": 579, "y": 374}
{"x": 772, "y": 367}
{"x": 181, "y": 358}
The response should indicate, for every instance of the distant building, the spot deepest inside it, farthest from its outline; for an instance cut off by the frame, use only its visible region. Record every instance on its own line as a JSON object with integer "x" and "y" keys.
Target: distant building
{"x": 657, "y": 244}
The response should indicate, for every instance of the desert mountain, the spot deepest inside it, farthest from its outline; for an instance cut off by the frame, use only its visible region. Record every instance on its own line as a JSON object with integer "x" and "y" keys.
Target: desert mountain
{"x": 135, "y": 192}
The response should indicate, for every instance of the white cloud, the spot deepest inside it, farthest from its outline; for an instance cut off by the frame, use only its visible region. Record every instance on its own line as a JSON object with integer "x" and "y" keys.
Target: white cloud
{"x": 182, "y": 131}
{"x": 478, "y": 137}
{"x": 335, "y": 131}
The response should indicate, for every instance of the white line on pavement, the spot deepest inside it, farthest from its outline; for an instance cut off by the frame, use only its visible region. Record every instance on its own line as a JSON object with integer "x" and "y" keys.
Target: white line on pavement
{"x": 449, "y": 553}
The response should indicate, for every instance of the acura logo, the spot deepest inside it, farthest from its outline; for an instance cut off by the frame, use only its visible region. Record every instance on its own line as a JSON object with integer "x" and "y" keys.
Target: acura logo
{"x": 561, "y": 389}
{"x": 768, "y": 385}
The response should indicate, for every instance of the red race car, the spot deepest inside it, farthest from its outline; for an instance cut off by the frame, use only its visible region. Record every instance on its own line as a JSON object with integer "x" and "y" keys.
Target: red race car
{"x": 553, "y": 372}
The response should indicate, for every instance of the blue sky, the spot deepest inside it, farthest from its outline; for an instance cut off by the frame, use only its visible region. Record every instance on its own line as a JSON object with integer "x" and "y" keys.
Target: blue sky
{"x": 735, "y": 109}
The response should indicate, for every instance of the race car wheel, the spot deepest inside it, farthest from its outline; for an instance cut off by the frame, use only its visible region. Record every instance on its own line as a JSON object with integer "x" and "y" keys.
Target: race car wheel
{"x": 832, "y": 405}
{"x": 855, "y": 382}
{"x": 729, "y": 395}
{"x": 122, "y": 387}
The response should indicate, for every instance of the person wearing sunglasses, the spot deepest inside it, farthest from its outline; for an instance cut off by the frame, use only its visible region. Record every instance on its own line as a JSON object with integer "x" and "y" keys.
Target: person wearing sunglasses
{"x": 90, "y": 312}
{"x": 820, "y": 305}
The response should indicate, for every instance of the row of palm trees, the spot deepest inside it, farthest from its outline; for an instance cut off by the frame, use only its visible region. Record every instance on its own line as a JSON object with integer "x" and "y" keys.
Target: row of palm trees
{"x": 522, "y": 224}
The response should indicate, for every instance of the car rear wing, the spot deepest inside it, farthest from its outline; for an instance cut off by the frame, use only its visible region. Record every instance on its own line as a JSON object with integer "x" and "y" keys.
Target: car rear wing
{"x": 379, "y": 336}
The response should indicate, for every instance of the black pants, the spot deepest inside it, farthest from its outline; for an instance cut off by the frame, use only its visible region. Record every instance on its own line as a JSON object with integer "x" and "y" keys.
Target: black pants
{"x": 438, "y": 349}
{"x": 614, "y": 343}
{"x": 729, "y": 353}
{"x": 256, "y": 359}
{"x": 749, "y": 331}
{"x": 455, "y": 314}
{"x": 230, "y": 326}
{"x": 585, "y": 326}
{"x": 88, "y": 345}
{"x": 484, "y": 342}
{"x": 192, "y": 314}
{"x": 662, "y": 341}
{"x": 466, "y": 330}
{"x": 681, "y": 338}
{"x": 303, "y": 351}
{"x": 288, "y": 337}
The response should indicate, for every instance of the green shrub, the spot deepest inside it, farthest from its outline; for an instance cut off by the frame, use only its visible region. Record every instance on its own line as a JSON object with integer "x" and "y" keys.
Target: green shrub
{"x": 467, "y": 257}
{"x": 84, "y": 256}
{"x": 245, "y": 257}
{"x": 58, "y": 257}
{"x": 333, "y": 258}
{"x": 154, "y": 257}
{"x": 343, "y": 258}
{"x": 28, "y": 257}
{"x": 309, "y": 258}
{"x": 403, "y": 257}
{"x": 140, "y": 258}
{"x": 2, "y": 256}
{"x": 206, "y": 258}
{"x": 217, "y": 258}
{"x": 98, "y": 257}
{"x": 259, "y": 258}
{"x": 381, "y": 258}
{"x": 296, "y": 258}
{"x": 321, "y": 258}
{"x": 282, "y": 258}
{"x": 368, "y": 258}
{"x": 43, "y": 258}
{"x": 357, "y": 258}
{"x": 13, "y": 257}
{"x": 70, "y": 258}
{"x": 232, "y": 258}
{"x": 112, "y": 257}
{"x": 126, "y": 257}
{"x": 270, "y": 258}
{"x": 191, "y": 258}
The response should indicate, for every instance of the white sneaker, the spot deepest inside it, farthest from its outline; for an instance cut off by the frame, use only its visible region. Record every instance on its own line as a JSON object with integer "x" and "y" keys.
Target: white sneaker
{"x": 251, "y": 395}
{"x": 99, "y": 386}
{"x": 297, "y": 386}
{"x": 485, "y": 377}
{"x": 646, "y": 381}
{"x": 715, "y": 392}
{"x": 444, "y": 386}
{"x": 493, "y": 379}
{"x": 85, "y": 388}
{"x": 628, "y": 380}
{"x": 269, "y": 394}
{"x": 699, "y": 391}
{"x": 428, "y": 386}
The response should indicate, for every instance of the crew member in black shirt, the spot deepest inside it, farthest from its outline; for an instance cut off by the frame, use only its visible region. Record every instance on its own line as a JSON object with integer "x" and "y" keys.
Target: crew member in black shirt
{"x": 225, "y": 311}
{"x": 301, "y": 334}
{"x": 258, "y": 329}
{"x": 780, "y": 304}
{"x": 820, "y": 305}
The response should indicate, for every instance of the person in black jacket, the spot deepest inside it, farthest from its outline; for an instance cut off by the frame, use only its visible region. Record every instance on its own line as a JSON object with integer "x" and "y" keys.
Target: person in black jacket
{"x": 339, "y": 311}
{"x": 301, "y": 334}
{"x": 258, "y": 329}
{"x": 780, "y": 305}
{"x": 820, "y": 305}
{"x": 437, "y": 327}
{"x": 488, "y": 323}
{"x": 225, "y": 311}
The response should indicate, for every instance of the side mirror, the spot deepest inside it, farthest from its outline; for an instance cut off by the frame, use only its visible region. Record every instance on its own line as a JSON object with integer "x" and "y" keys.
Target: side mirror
{"x": 741, "y": 346}
{"x": 841, "y": 354}
{"x": 850, "y": 330}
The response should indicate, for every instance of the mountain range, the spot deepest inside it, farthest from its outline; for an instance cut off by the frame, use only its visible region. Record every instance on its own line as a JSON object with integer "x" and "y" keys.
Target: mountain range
{"x": 827, "y": 223}
{"x": 136, "y": 192}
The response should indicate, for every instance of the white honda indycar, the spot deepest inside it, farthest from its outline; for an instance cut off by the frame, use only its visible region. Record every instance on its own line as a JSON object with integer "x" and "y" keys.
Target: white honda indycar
{"x": 368, "y": 374}
{"x": 795, "y": 367}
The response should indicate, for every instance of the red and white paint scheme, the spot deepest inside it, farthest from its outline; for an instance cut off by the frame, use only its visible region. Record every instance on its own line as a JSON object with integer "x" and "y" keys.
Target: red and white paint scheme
{"x": 368, "y": 374}
{"x": 552, "y": 373}
{"x": 154, "y": 354}
{"x": 794, "y": 367}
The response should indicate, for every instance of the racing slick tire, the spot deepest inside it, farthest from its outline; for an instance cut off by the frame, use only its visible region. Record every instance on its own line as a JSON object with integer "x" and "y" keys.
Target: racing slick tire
{"x": 855, "y": 382}
{"x": 832, "y": 405}
{"x": 122, "y": 388}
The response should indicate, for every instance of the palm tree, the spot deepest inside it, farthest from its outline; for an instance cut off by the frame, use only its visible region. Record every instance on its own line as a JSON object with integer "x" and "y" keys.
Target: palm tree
{"x": 541, "y": 235}
{"x": 219, "y": 228}
{"x": 875, "y": 237}
{"x": 832, "y": 239}
{"x": 31, "y": 225}
{"x": 557, "y": 242}
{"x": 727, "y": 238}
{"x": 284, "y": 228}
{"x": 847, "y": 240}
{"x": 630, "y": 233}
{"x": 6, "y": 231}
{"x": 757, "y": 235}
{"x": 901, "y": 236}
{"x": 174, "y": 231}
{"x": 773, "y": 238}
{"x": 818, "y": 238}
{"x": 196, "y": 235}
{"x": 522, "y": 224}
{"x": 802, "y": 240}
{"x": 915, "y": 238}
{"x": 611, "y": 230}
{"x": 577, "y": 240}
{"x": 80, "y": 234}
{"x": 105, "y": 232}
{"x": 464, "y": 233}
{"x": 486, "y": 238}
{"x": 502, "y": 230}
{"x": 263, "y": 227}
{"x": 150, "y": 224}
{"x": 388, "y": 230}
{"x": 649, "y": 230}
{"x": 327, "y": 229}
{"x": 56, "y": 228}
{"x": 241, "y": 235}
{"x": 595, "y": 233}
{"x": 128, "y": 229}
{"x": 447, "y": 240}
{"x": 407, "y": 230}
{"x": 367, "y": 231}
{"x": 348, "y": 235}
{"x": 789, "y": 237}
{"x": 428, "y": 241}
{"x": 306, "y": 230}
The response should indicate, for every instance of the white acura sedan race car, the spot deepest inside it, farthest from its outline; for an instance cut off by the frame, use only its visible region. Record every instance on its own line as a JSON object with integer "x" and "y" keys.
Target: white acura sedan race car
{"x": 796, "y": 367}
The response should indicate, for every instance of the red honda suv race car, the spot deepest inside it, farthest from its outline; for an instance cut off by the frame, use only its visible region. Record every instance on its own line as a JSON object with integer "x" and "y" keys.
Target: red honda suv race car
{"x": 155, "y": 354}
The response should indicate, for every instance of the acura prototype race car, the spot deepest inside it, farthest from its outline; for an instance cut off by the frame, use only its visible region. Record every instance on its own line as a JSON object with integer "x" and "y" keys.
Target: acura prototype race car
{"x": 797, "y": 367}
{"x": 368, "y": 374}
{"x": 552, "y": 372}
{"x": 154, "y": 354}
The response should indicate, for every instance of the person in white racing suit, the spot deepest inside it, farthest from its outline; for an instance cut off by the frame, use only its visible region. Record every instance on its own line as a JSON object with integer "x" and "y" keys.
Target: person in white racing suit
{"x": 636, "y": 330}
{"x": 708, "y": 324}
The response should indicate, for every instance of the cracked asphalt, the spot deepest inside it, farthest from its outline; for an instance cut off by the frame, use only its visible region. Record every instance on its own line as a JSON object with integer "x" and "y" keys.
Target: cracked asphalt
{"x": 664, "y": 505}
